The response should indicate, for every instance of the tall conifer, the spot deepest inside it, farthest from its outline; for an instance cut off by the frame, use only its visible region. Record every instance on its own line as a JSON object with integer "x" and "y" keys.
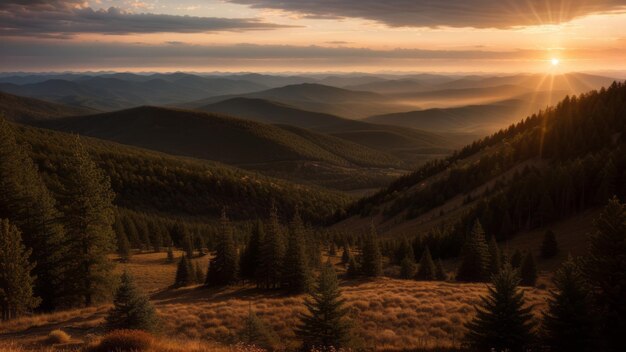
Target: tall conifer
{"x": 224, "y": 266}
{"x": 16, "y": 282}
{"x": 371, "y": 259}
{"x": 88, "y": 221}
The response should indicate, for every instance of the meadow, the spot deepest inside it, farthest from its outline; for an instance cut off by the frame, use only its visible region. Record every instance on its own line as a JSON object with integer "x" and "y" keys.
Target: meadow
{"x": 386, "y": 314}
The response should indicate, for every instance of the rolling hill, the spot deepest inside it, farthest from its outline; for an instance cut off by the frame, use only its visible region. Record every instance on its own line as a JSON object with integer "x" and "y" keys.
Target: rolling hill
{"x": 318, "y": 98}
{"x": 412, "y": 146}
{"x": 284, "y": 152}
{"x": 177, "y": 187}
{"x": 20, "y": 109}
{"x": 119, "y": 91}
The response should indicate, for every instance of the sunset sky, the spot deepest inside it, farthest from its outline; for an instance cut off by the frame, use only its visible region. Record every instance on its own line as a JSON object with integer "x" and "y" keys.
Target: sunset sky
{"x": 309, "y": 36}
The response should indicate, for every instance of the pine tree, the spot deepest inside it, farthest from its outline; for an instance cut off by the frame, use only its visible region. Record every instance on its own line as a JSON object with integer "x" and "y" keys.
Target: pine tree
{"x": 549, "y": 246}
{"x": 324, "y": 325}
{"x": 528, "y": 270}
{"x": 131, "y": 310}
{"x": 123, "y": 248}
{"x": 440, "y": 273}
{"x": 568, "y": 324}
{"x": 495, "y": 260}
{"x": 404, "y": 250}
{"x": 426, "y": 270}
{"x": 224, "y": 266}
{"x": 250, "y": 259}
{"x": 200, "y": 245}
{"x": 408, "y": 268}
{"x": 170, "y": 254}
{"x": 296, "y": 272}
{"x": 475, "y": 257}
{"x": 502, "y": 322}
{"x": 88, "y": 221}
{"x": 371, "y": 259}
{"x": 345, "y": 256}
{"x": 187, "y": 242}
{"x": 272, "y": 254}
{"x": 353, "y": 268}
{"x": 131, "y": 232}
{"x": 16, "y": 282}
{"x": 184, "y": 273}
{"x": 157, "y": 236}
{"x": 256, "y": 333}
{"x": 28, "y": 204}
{"x": 199, "y": 275}
{"x": 604, "y": 269}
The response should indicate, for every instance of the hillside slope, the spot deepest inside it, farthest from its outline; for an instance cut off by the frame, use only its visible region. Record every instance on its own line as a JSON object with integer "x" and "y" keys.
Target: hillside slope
{"x": 21, "y": 109}
{"x": 548, "y": 167}
{"x": 319, "y": 98}
{"x": 149, "y": 181}
{"x": 412, "y": 146}
{"x": 288, "y": 153}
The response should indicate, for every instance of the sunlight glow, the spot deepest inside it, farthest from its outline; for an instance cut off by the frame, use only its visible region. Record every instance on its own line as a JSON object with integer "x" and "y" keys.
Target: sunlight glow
{"x": 554, "y": 61}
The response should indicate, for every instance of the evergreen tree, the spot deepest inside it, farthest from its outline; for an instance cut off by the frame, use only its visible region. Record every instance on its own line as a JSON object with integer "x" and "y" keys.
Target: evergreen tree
{"x": 502, "y": 322}
{"x": 426, "y": 270}
{"x": 200, "y": 245}
{"x": 408, "y": 268}
{"x": 123, "y": 248}
{"x": 131, "y": 310}
{"x": 88, "y": 221}
{"x": 353, "y": 269}
{"x": 28, "y": 204}
{"x": 198, "y": 274}
{"x": 16, "y": 282}
{"x": 528, "y": 271}
{"x": 405, "y": 250}
{"x": 495, "y": 259}
{"x": 224, "y": 266}
{"x": 549, "y": 246}
{"x": 184, "y": 273}
{"x": 131, "y": 232}
{"x": 516, "y": 259}
{"x": 256, "y": 333}
{"x": 324, "y": 325}
{"x": 250, "y": 259}
{"x": 604, "y": 269}
{"x": 371, "y": 259}
{"x": 296, "y": 272}
{"x": 187, "y": 242}
{"x": 440, "y": 273}
{"x": 568, "y": 324}
{"x": 605, "y": 187}
{"x": 170, "y": 254}
{"x": 475, "y": 257}
{"x": 345, "y": 256}
{"x": 272, "y": 254}
{"x": 157, "y": 236}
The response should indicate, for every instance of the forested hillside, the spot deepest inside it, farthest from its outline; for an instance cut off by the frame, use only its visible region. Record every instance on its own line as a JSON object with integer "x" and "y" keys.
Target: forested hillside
{"x": 549, "y": 166}
{"x": 153, "y": 182}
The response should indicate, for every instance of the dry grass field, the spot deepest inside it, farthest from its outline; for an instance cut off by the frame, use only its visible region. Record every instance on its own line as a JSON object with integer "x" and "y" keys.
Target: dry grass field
{"x": 386, "y": 313}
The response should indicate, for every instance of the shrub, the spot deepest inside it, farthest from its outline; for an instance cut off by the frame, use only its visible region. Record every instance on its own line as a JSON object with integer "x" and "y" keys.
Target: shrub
{"x": 58, "y": 336}
{"x": 125, "y": 341}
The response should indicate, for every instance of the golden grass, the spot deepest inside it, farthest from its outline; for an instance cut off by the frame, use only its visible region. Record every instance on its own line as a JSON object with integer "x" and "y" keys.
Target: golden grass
{"x": 152, "y": 272}
{"x": 386, "y": 313}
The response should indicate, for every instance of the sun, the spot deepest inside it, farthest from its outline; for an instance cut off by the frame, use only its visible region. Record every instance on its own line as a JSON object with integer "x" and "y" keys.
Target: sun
{"x": 554, "y": 61}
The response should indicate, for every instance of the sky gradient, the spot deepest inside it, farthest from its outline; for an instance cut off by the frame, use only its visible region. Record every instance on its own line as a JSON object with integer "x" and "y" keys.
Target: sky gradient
{"x": 312, "y": 36}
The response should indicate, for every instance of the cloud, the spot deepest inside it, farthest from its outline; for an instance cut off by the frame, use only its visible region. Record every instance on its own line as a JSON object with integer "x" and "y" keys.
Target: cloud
{"x": 65, "y": 18}
{"x": 451, "y": 13}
